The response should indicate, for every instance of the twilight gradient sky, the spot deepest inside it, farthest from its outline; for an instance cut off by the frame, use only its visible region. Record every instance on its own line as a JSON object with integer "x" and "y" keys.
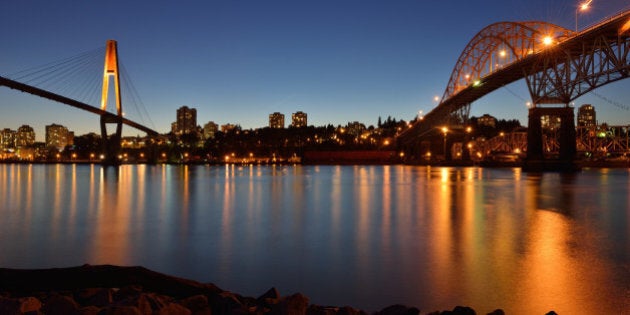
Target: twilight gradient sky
{"x": 236, "y": 61}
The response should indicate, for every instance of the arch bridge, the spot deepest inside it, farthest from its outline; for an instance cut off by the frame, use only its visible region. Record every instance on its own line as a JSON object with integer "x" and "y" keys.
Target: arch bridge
{"x": 558, "y": 65}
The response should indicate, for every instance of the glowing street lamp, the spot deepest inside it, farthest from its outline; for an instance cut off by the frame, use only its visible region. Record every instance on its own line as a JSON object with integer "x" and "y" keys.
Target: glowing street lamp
{"x": 582, "y": 7}
{"x": 444, "y": 131}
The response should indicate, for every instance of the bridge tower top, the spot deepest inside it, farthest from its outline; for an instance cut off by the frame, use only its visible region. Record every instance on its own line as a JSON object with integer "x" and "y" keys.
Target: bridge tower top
{"x": 111, "y": 70}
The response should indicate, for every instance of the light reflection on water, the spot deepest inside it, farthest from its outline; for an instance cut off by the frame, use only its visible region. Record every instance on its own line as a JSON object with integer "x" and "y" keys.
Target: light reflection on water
{"x": 365, "y": 236}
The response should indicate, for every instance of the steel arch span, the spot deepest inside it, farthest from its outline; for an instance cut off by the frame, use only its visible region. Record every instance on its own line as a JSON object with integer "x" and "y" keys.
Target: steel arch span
{"x": 558, "y": 65}
{"x": 497, "y": 46}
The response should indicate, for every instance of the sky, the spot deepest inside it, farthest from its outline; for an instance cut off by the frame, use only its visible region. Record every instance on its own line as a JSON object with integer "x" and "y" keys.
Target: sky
{"x": 237, "y": 61}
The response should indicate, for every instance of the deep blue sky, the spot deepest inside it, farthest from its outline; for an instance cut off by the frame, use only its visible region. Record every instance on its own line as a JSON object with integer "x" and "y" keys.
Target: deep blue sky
{"x": 236, "y": 61}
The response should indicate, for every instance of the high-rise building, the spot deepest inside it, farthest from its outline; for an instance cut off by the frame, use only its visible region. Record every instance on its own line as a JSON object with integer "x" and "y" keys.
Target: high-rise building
{"x": 7, "y": 139}
{"x": 57, "y": 136}
{"x": 186, "y": 121}
{"x": 209, "y": 130}
{"x": 25, "y": 136}
{"x": 586, "y": 116}
{"x": 299, "y": 119}
{"x": 276, "y": 120}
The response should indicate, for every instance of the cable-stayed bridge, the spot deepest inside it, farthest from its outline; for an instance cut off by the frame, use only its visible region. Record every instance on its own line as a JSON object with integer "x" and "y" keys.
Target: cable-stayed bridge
{"x": 67, "y": 75}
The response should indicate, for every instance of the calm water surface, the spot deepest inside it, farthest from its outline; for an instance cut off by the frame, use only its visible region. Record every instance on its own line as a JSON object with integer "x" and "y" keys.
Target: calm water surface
{"x": 364, "y": 236}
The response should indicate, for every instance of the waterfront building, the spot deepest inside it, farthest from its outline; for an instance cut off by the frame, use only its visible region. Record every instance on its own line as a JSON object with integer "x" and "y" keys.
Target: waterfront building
{"x": 186, "y": 121}
{"x": 7, "y": 139}
{"x": 299, "y": 119}
{"x": 58, "y": 136}
{"x": 586, "y": 117}
{"x": 25, "y": 136}
{"x": 209, "y": 130}
{"x": 276, "y": 120}
{"x": 487, "y": 120}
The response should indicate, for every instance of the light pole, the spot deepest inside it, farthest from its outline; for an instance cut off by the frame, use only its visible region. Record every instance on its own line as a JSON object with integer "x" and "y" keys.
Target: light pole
{"x": 582, "y": 7}
{"x": 444, "y": 131}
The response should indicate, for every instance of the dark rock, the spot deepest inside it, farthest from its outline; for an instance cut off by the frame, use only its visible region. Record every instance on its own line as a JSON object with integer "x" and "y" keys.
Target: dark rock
{"x": 173, "y": 309}
{"x": 497, "y": 312}
{"x": 58, "y": 304}
{"x": 198, "y": 305}
{"x": 29, "y": 304}
{"x": 321, "y": 310}
{"x": 9, "y": 306}
{"x": 120, "y": 310}
{"x": 551, "y": 313}
{"x": 94, "y": 296}
{"x": 270, "y": 294}
{"x": 23, "y": 282}
{"x": 89, "y": 310}
{"x": 295, "y": 304}
{"x": 225, "y": 303}
{"x": 347, "y": 310}
{"x": 463, "y": 310}
{"x": 399, "y": 310}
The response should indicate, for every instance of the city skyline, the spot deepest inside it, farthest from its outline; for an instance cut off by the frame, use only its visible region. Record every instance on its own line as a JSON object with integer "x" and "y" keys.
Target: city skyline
{"x": 339, "y": 62}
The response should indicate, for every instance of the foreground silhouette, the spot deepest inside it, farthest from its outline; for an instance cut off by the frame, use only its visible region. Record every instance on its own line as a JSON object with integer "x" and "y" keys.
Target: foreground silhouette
{"x": 107, "y": 289}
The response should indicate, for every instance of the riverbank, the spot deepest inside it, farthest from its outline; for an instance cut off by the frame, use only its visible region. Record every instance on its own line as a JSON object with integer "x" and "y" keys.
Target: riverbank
{"x": 112, "y": 290}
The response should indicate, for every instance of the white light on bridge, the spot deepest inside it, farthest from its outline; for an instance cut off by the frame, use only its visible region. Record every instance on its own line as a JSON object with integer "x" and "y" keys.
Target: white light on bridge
{"x": 547, "y": 40}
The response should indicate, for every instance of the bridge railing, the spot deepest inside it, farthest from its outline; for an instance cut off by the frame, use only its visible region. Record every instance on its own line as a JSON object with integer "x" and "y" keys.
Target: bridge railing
{"x": 608, "y": 19}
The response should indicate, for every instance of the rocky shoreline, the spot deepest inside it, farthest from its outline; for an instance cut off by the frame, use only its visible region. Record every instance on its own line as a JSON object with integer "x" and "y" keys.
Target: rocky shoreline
{"x": 116, "y": 290}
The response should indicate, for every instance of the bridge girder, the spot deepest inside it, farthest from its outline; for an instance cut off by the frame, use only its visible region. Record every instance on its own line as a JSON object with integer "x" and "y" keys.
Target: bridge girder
{"x": 565, "y": 72}
{"x": 496, "y": 46}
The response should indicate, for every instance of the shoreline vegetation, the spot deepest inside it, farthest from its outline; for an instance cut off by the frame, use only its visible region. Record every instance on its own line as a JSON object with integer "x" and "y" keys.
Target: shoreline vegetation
{"x": 118, "y": 290}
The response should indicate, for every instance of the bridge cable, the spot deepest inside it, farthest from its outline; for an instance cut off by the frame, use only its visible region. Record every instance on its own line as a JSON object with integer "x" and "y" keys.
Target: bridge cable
{"x": 136, "y": 101}
{"x": 67, "y": 76}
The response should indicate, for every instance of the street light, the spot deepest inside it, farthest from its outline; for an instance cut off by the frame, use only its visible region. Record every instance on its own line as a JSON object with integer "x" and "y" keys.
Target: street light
{"x": 582, "y": 7}
{"x": 444, "y": 131}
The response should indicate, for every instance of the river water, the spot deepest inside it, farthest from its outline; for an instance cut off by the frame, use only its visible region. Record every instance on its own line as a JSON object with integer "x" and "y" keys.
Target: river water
{"x": 364, "y": 236}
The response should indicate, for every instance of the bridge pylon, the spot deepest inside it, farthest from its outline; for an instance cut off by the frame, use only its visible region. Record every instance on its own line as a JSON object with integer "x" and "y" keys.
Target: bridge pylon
{"x": 111, "y": 143}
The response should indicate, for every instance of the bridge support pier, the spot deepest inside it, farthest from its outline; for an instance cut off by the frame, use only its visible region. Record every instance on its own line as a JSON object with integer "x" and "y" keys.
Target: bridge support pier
{"x": 111, "y": 143}
{"x": 536, "y": 159}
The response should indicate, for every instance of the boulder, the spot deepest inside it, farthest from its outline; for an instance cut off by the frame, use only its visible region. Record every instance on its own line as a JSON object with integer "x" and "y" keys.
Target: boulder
{"x": 295, "y": 304}
{"x": 9, "y": 306}
{"x": 94, "y": 296}
{"x": 173, "y": 309}
{"x": 399, "y": 310}
{"x": 58, "y": 304}
{"x": 497, "y": 312}
{"x": 198, "y": 305}
{"x": 270, "y": 294}
{"x": 29, "y": 304}
{"x": 89, "y": 310}
{"x": 463, "y": 310}
{"x": 120, "y": 310}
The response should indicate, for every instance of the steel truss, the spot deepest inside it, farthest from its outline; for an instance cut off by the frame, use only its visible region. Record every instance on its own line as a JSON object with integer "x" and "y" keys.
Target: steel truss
{"x": 565, "y": 72}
